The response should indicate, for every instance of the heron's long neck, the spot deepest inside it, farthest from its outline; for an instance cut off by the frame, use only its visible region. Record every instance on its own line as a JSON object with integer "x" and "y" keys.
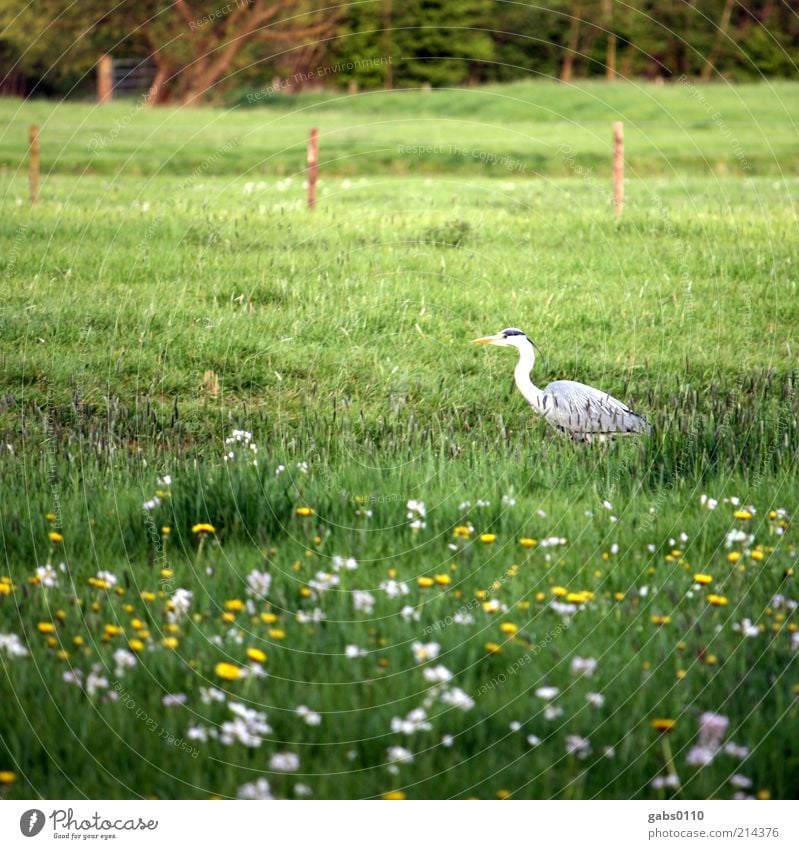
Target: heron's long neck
{"x": 521, "y": 374}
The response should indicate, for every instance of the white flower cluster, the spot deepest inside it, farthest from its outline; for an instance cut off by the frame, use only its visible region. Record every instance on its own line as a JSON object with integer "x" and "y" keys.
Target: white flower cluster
{"x": 416, "y": 513}
{"x": 241, "y": 438}
{"x": 12, "y": 645}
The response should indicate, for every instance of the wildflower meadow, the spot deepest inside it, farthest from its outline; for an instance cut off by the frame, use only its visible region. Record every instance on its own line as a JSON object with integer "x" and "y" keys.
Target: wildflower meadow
{"x": 272, "y": 528}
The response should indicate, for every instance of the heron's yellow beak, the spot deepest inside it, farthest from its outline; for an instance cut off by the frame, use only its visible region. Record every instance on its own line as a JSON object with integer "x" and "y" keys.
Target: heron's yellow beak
{"x": 484, "y": 340}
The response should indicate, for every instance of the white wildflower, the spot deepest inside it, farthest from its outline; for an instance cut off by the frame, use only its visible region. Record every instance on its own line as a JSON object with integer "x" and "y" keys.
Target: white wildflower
{"x": 48, "y": 577}
{"x": 457, "y": 699}
{"x": 579, "y": 746}
{"x": 309, "y": 717}
{"x": 415, "y": 721}
{"x": 354, "y": 651}
{"x": 258, "y": 584}
{"x": 399, "y": 755}
{"x": 425, "y": 651}
{"x": 547, "y": 693}
{"x": 258, "y": 790}
{"x": 437, "y": 674}
{"x": 583, "y": 666}
{"x": 284, "y": 762}
{"x": 363, "y": 601}
{"x": 12, "y": 645}
{"x": 123, "y": 659}
{"x": 394, "y": 588}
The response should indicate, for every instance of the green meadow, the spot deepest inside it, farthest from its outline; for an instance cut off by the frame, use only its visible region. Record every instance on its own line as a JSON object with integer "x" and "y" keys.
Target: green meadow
{"x": 459, "y": 602}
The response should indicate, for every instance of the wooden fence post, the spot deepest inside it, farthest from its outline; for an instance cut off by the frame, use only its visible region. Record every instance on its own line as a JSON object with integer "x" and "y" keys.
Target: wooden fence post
{"x": 313, "y": 166}
{"x": 33, "y": 160}
{"x": 618, "y": 166}
{"x": 105, "y": 78}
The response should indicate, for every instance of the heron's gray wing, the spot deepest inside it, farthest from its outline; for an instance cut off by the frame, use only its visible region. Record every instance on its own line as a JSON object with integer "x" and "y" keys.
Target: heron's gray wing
{"x": 584, "y": 411}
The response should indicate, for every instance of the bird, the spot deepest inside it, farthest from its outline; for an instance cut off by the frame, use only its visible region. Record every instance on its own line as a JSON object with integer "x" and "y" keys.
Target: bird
{"x": 580, "y": 411}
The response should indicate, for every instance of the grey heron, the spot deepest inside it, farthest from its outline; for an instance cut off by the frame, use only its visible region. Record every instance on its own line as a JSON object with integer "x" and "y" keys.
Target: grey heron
{"x": 583, "y": 412}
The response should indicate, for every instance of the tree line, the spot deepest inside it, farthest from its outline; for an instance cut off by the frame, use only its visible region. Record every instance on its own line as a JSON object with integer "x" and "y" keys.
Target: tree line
{"x": 200, "y": 51}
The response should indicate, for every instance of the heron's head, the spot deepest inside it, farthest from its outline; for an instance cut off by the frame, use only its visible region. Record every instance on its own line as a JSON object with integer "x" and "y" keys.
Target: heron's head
{"x": 511, "y": 337}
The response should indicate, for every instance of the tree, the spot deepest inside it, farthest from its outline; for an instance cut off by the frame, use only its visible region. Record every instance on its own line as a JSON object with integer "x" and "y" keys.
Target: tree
{"x": 194, "y": 45}
{"x": 441, "y": 42}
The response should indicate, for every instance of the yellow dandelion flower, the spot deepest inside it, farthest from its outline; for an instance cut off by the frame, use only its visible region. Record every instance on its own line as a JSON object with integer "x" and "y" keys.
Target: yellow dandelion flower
{"x": 527, "y": 542}
{"x": 763, "y": 795}
{"x": 488, "y": 538}
{"x": 304, "y": 512}
{"x": 509, "y": 628}
{"x": 733, "y": 556}
{"x": 681, "y": 673}
{"x": 235, "y": 605}
{"x": 78, "y": 640}
{"x": 663, "y": 725}
{"x": 166, "y": 530}
{"x": 424, "y": 582}
{"x": 443, "y": 580}
{"x": 135, "y": 645}
{"x": 524, "y": 605}
{"x": 170, "y": 642}
{"x": 228, "y": 671}
{"x": 269, "y": 618}
{"x": 63, "y": 655}
{"x": 277, "y": 633}
{"x": 539, "y": 597}
{"x": 305, "y": 592}
{"x": 228, "y": 617}
{"x": 136, "y": 624}
{"x": 203, "y": 528}
{"x": 46, "y": 627}
{"x": 7, "y": 777}
{"x": 503, "y": 794}
{"x": 701, "y": 578}
{"x": 462, "y": 532}
{"x": 661, "y": 620}
{"x": 493, "y": 648}
{"x": 743, "y": 515}
{"x": 717, "y": 600}
{"x": 256, "y": 655}
{"x": 147, "y": 596}
{"x": 51, "y": 517}
{"x": 55, "y": 536}
{"x": 394, "y": 795}
{"x": 757, "y": 555}
{"x": 559, "y": 591}
{"x": 618, "y": 596}
{"x": 711, "y": 659}
{"x": 113, "y": 630}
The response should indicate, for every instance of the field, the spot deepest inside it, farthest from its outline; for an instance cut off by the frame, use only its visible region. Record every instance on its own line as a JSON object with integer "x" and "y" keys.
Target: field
{"x": 272, "y": 526}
